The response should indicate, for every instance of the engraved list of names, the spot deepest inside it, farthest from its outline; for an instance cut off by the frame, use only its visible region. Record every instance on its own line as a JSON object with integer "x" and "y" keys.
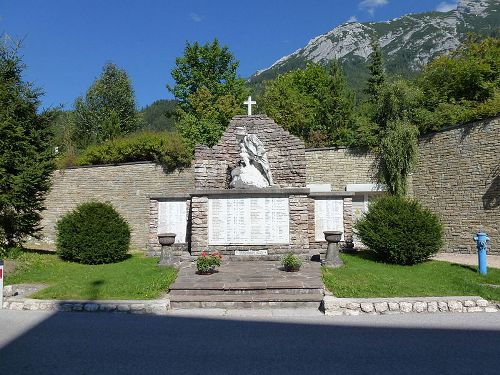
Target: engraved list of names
{"x": 248, "y": 221}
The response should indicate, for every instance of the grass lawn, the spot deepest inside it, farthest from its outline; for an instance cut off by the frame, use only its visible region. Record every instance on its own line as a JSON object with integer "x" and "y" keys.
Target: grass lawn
{"x": 362, "y": 276}
{"x": 137, "y": 277}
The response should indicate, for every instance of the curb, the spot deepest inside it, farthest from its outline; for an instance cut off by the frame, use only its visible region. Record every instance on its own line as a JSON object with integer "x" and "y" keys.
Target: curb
{"x": 154, "y": 307}
{"x": 401, "y": 305}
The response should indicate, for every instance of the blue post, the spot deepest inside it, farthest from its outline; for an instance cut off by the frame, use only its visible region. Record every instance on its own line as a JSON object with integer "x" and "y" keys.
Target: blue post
{"x": 481, "y": 239}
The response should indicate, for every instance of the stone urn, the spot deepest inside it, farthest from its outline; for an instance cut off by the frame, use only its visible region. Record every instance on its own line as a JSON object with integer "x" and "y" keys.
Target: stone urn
{"x": 166, "y": 239}
{"x": 332, "y": 258}
{"x": 167, "y": 258}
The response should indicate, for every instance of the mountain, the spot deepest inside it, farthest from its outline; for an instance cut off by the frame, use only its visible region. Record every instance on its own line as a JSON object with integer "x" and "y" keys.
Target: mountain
{"x": 408, "y": 42}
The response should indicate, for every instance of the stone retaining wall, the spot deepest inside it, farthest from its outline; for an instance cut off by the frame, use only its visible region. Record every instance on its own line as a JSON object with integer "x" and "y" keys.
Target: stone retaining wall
{"x": 379, "y": 306}
{"x": 126, "y": 186}
{"x": 156, "y": 307}
{"x": 458, "y": 177}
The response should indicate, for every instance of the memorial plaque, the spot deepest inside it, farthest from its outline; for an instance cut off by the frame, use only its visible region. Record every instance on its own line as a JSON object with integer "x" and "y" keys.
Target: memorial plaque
{"x": 248, "y": 221}
{"x": 250, "y": 252}
{"x": 328, "y": 215}
{"x": 172, "y": 218}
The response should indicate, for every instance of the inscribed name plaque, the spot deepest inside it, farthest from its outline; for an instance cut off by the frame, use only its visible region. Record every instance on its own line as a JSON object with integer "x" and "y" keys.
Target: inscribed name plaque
{"x": 248, "y": 221}
{"x": 172, "y": 218}
{"x": 328, "y": 215}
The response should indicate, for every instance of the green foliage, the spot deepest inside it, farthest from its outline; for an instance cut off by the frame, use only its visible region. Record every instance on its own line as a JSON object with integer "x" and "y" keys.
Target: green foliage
{"x": 291, "y": 262}
{"x": 207, "y": 262}
{"x": 93, "y": 233}
{"x": 158, "y": 116}
{"x": 208, "y": 90}
{"x": 313, "y": 104}
{"x": 471, "y": 73}
{"x": 400, "y": 230}
{"x": 137, "y": 277}
{"x": 26, "y": 153}
{"x": 210, "y": 66}
{"x": 167, "y": 149}
{"x": 377, "y": 74}
{"x": 107, "y": 110}
{"x": 398, "y": 154}
{"x": 207, "y": 118}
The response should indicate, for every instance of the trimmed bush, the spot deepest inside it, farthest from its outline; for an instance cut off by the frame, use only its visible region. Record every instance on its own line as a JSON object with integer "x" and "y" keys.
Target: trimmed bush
{"x": 167, "y": 149}
{"x": 399, "y": 230}
{"x": 93, "y": 233}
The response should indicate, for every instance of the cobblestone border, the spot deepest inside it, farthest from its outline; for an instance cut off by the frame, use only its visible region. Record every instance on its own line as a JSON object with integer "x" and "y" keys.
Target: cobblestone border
{"x": 381, "y": 306}
{"x": 155, "y": 307}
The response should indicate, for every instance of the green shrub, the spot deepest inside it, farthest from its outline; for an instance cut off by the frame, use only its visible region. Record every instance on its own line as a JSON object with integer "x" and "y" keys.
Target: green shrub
{"x": 399, "y": 230}
{"x": 167, "y": 149}
{"x": 93, "y": 233}
{"x": 291, "y": 262}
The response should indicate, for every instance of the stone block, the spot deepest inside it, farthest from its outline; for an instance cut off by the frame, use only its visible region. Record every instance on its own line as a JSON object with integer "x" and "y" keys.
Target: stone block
{"x": 406, "y": 307}
{"x": 482, "y": 303}
{"x": 475, "y": 309}
{"x": 490, "y": 309}
{"x": 381, "y": 307}
{"x": 393, "y": 306}
{"x": 443, "y": 306}
{"x": 455, "y": 306}
{"x": 367, "y": 307}
{"x": 469, "y": 303}
{"x": 420, "y": 307}
{"x": 432, "y": 306}
{"x": 91, "y": 307}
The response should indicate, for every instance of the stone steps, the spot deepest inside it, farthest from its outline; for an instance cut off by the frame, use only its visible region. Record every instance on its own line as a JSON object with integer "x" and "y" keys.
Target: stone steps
{"x": 254, "y": 284}
{"x": 267, "y": 300}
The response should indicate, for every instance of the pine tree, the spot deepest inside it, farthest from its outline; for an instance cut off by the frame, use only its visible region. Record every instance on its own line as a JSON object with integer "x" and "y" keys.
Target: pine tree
{"x": 377, "y": 73}
{"x": 26, "y": 153}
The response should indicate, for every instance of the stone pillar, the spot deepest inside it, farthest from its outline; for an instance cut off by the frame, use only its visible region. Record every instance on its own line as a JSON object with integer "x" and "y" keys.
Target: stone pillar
{"x": 348, "y": 219}
{"x": 299, "y": 223}
{"x": 199, "y": 224}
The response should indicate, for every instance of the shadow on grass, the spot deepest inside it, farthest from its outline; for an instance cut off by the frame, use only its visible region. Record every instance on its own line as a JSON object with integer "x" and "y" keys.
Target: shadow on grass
{"x": 465, "y": 267}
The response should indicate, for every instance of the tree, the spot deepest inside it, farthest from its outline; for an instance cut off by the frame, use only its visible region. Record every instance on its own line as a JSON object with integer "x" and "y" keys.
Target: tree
{"x": 398, "y": 153}
{"x": 26, "y": 153}
{"x": 313, "y": 103}
{"x": 210, "y": 66}
{"x": 208, "y": 90}
{"x": 377, "y": 73}
{"x": 108, "y": 108}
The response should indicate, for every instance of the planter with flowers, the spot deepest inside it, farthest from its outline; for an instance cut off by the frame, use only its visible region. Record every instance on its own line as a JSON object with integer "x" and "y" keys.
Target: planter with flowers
{"x": 206, "y": 262}
{"x": 291, "y": 262}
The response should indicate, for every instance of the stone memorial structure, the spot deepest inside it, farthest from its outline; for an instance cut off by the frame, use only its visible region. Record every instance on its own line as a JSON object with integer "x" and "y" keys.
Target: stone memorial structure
{"x": 250, "y": 199}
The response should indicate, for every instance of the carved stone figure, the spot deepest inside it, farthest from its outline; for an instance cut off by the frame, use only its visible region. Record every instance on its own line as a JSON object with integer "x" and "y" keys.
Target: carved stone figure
{"x": 253, "y": 171}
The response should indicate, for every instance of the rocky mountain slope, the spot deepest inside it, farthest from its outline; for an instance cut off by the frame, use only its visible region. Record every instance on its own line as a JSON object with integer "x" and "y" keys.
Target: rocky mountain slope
{"x": 408, "y": 42}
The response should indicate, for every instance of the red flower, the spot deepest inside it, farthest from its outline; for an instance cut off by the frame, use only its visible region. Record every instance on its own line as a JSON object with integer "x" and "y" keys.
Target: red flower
{"x": 203, "y": 253}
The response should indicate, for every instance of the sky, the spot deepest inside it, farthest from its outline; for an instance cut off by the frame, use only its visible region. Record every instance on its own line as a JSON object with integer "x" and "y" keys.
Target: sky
{"x": 65, "y": 43}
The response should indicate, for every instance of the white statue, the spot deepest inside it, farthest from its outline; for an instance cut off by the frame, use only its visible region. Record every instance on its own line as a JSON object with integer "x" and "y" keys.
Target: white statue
{"x": 253, "y": 170}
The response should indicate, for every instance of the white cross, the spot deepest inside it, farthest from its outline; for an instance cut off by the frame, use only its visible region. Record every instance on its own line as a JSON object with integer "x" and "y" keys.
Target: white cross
{"x": 249, "y": 102}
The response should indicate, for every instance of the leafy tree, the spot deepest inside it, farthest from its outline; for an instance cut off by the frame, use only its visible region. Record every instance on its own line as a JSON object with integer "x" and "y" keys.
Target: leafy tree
{"x": 108, "y": 108}
{"x": 398, "y": 153}
{"x": 471, "y": 73}
{"x": 210, "y": 66}
{"x": 377, "y": 74}
{"x": 208, "y": 117}
{"x": 208, "y": 90}
{"x": 26, "y": 154}
{"x": 313, "y": 104}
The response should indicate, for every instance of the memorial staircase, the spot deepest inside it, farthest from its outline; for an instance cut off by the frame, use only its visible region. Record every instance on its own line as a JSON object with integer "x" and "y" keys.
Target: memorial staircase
{"x": 248, "y": 284}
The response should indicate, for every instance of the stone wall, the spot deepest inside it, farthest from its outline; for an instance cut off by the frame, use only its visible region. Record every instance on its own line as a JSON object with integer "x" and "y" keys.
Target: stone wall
{"x": 126, "y": 186}
{"x": 339, "y": 167}
{"x": 285, "y": 153}
{"x": 458, "y": 177}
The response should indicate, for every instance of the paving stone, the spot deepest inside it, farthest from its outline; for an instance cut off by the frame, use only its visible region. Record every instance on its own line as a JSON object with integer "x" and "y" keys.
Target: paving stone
{"x": 469, "y": 303}
{"x": 393, "y": 306}
{"x": 482, "y": 303}
{"x": 367, "y": 307}
{"x": 455, "y": 306}
{"x": 420, "y": 307}
{"x": 432, "y": 307}
{"x": 381, "y": 307}
{"x": 406, "y": 307}
{"x": 443, "y": 306}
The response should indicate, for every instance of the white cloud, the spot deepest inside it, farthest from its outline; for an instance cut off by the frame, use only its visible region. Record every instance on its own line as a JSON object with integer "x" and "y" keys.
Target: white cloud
{"x": 196, "y": 17}
{"x": 446, "y": 7}
{"x": 352, "y": 19}
{"x": 370, "y": 5}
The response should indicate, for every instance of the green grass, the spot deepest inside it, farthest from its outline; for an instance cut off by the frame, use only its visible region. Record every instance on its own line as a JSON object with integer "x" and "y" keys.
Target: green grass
{"x": 137, "y": 277}
{"x": 363, "y": 277}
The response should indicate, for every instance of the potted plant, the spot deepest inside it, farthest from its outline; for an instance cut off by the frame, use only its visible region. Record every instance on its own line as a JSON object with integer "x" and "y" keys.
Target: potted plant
{"x": 291, "y": 262}
{"x": 206, "y": 263}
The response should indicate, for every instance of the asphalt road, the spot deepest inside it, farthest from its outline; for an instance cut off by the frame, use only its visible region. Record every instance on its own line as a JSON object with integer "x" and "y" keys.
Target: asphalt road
{"x": 33, "y": 342}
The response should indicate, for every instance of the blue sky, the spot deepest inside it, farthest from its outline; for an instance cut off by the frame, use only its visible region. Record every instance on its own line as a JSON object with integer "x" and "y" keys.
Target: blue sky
{"x": 67, "y": 42}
